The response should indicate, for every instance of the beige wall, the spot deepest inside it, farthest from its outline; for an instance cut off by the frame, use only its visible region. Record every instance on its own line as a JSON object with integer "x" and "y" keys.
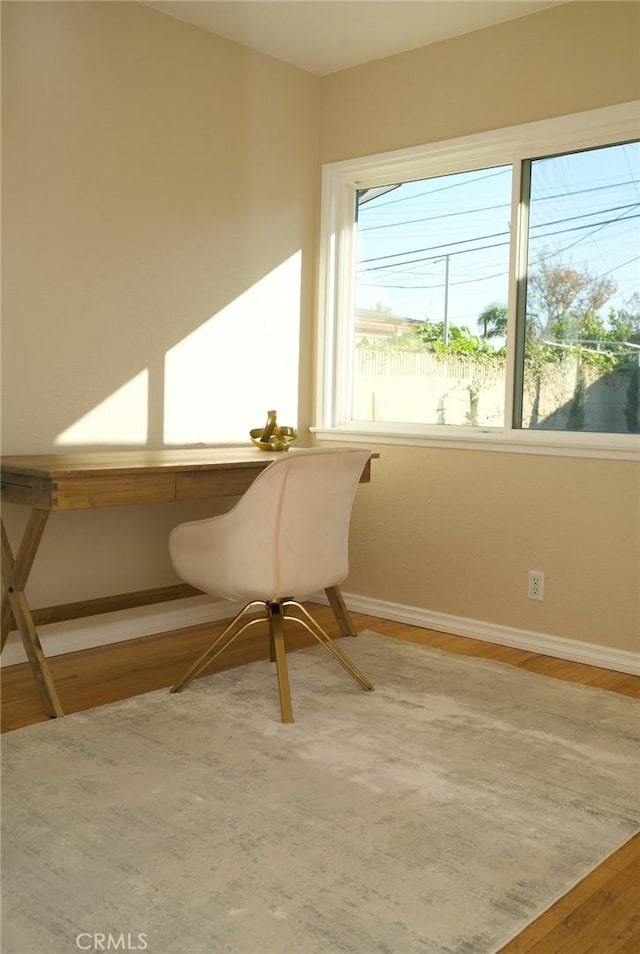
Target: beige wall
{"x": 153, "y": 173}
{"x": 455, "y": 531}
{"x": 572, "y": 57}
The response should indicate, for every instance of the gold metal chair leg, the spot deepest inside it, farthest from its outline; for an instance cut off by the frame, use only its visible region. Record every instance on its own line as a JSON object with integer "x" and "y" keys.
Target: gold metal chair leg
{"x": 329, "y": 644}
{"x": 225, "y": 639}
{"x": 276, "y": 631}
{"x": 272, "y": 645}
{"x": 275, "y": 615}
{"x": 340, "y": 611}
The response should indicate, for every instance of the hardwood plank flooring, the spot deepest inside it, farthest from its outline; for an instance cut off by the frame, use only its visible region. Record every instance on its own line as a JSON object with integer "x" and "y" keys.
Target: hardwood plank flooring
{"x": 600, "y": 915}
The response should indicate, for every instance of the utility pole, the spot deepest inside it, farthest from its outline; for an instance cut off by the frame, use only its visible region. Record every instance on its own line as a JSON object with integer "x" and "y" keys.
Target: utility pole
{"x": 446, "y": 301}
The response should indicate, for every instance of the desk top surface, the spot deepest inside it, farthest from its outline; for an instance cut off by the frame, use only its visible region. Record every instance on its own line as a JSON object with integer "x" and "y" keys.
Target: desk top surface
{"x": 148, "y": 461}
{"x": 113, "y": 478}
{"x": 101, "y": 463}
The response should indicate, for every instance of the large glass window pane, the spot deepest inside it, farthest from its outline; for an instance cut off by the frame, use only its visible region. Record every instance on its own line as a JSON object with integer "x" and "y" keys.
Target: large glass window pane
{"x": 580, "y": 360}
{"x": 429, "y": 328}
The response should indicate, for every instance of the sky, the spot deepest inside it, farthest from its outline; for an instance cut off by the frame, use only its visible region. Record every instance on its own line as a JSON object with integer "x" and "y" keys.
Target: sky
{"x": 444, "y": 242}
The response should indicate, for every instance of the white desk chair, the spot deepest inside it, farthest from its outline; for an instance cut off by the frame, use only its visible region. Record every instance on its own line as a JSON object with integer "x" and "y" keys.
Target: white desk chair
{"x": 287, "y": 536}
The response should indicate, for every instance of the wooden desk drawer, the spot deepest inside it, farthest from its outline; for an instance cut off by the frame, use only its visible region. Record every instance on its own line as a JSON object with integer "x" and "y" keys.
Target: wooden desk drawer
{"x": 76, "y": 493}
{"x": 228, "y": 482}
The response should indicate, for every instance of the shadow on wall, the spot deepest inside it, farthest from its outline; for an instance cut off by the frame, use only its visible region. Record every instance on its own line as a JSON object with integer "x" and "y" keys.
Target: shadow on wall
{"x": 573, "y": 396}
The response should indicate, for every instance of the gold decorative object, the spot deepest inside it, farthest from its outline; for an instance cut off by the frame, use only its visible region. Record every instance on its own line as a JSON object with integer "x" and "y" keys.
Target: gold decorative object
{"x": 272, "y": 437}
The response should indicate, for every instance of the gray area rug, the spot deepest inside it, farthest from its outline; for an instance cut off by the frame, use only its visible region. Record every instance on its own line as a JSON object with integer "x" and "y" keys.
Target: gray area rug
{"x": 439, "y": 814}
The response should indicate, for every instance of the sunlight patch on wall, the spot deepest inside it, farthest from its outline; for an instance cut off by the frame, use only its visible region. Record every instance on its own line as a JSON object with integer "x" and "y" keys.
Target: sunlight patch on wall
{"x": 221, "y": 379}
{"x": 122, "y": 418}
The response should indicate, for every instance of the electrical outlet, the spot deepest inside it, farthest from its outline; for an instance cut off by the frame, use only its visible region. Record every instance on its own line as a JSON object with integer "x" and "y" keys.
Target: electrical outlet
{"x": 536, "y": 585}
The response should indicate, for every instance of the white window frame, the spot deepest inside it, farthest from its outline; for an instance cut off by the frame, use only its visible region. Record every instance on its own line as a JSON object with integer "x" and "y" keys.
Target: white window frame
{"x": 341, "y": 180}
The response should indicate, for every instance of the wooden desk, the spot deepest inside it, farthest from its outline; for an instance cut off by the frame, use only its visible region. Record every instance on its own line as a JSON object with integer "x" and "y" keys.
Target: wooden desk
{"x": 58, "y": 482}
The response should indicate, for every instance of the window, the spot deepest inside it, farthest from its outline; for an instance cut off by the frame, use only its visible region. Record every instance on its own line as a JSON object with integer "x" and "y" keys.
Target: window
{"x": 580, "y": 346}
{"x": 487, "y": 290}
{"x": 427, "y": 253}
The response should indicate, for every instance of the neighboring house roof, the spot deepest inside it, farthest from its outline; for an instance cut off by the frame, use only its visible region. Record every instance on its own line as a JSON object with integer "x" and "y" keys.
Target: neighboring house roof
{"x": 369, "y": 322}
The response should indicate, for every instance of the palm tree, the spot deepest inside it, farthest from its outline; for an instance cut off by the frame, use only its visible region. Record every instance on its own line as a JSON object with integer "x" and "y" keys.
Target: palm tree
{"x": 493, "y": 321}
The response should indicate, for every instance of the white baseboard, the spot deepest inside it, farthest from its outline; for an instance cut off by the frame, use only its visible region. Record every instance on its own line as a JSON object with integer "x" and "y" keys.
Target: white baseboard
{"x": 92, "y": 631}
{"x": 74, "y": 635}
{"x": 593, "y": 654}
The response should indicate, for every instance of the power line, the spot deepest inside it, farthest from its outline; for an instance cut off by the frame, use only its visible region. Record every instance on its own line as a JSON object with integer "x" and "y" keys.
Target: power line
{"x": 488, "y": 208}
{"x": 629, "y": 261}
{"x": 434, "y": 218}
{"x": 439, "y": 248}
{"x": 467, "y": 281}
{"x": 456, "y": 185}
{"x": 453, "y": 185}
{"x": 473, "y": 281}
{"x": 540, "y": 225}
{"x": 619, "y": 218}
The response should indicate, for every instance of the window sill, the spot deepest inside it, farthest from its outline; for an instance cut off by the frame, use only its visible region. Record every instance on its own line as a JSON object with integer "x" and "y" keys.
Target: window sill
{"x": 611, "y": 447}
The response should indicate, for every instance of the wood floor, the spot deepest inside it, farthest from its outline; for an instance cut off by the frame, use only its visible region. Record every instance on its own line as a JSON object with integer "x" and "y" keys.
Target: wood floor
{"x": 601, "y": 915}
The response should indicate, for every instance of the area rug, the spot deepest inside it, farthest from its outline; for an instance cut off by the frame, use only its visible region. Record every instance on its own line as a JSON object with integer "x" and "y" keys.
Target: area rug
{"x": 439, "y": 814}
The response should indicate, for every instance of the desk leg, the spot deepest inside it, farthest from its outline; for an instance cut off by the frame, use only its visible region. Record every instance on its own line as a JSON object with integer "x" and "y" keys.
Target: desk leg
{"x": 340, "y": 610}
{"x": 16, "y": 609}
{"x": 21, "y": 566}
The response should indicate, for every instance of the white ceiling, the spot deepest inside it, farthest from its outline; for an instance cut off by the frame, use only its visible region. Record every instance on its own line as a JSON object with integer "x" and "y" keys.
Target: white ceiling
{"x": 323, "y": 37}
